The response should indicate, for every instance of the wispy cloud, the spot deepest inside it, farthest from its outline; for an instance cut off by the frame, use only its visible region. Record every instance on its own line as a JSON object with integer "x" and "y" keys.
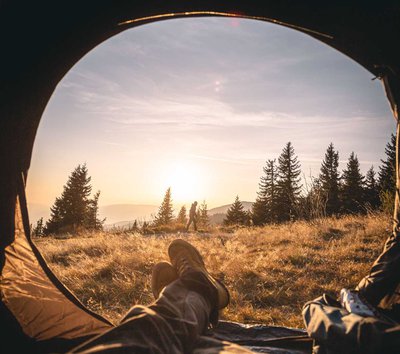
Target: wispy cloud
{"x": 221, "y": 93}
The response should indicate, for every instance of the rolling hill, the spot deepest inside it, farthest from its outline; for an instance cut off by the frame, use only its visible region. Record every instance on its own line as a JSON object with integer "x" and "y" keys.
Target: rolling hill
{"x": 121, "y": 215}
{"x": 224, "y": 208}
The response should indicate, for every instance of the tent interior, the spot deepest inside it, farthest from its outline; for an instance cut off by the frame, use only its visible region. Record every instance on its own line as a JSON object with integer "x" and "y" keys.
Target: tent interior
{"x": 41, "y": 41}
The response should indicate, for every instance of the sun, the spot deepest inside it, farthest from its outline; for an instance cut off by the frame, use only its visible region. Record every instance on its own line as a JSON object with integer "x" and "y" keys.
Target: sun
{"x": 185, "y": 181}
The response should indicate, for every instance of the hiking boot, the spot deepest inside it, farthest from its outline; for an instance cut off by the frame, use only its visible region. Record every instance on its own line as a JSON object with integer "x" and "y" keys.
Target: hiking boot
{"x": 186, "y": 258}
{"x": 163, "y": 274}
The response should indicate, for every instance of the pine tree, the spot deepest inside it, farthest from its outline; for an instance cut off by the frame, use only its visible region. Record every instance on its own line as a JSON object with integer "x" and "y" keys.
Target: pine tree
{"x": 371, "y": 189}
{"x": 134, "y": 226}
{"x": 387, "y": 175}
{"x": 92, "y": 221}
{"x": 56, "y": 221}
{"x": 265, "y": 208}
{"x": 236, "y": 215}
{"x": 38, "y": 230}
{"x": 202, "y": 215}
{"x": 145, "y": 227}
{"x": 76, "y": 196}
{"x": 387, "y": 171}
{"x": 74, "y": 208}
{"x": 329, "y": 180}
{"x": 182, "y": 218}
{"x": 353, "y": 187}
{"x": 259, "y": 211}
{"x": 289, "y": 183}
{"x": 165, "y": 212}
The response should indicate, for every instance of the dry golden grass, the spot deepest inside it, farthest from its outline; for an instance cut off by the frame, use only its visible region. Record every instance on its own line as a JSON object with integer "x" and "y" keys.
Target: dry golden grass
{"x": 270, "y": 271}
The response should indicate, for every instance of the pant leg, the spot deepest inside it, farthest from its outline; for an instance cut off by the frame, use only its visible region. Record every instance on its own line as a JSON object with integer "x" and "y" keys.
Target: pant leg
{"x": 382, "y": 285}
{"x": 188, "y": 224}
{"x": 170, "y": 325}
{"x": 335, "y": 330}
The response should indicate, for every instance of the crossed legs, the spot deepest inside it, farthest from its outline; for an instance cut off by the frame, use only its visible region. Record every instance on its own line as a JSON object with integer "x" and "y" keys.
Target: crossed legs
{"x": 173, "y": 323}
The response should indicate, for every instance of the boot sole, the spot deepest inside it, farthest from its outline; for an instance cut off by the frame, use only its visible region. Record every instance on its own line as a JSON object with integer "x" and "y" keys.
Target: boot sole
{"x": 188, "y": 247}
{"x": 162, "y": 275}
{"x": 194, "y": 252}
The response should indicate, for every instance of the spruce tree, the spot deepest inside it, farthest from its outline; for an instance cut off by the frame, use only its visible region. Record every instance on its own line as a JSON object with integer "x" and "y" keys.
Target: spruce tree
{"x": 265, "y": 207}
{"x": 145, "y": 227}
{"x": 289, "y": 183}
{"x": 202, "y": 215}
{"x": 387, "y": 175}
{"x": 135, "y": 226}
{"x": 353, "y": 187}
{"x": 76, "y": 196}
{"x": 165, "y": 212}
{"x": 329, "y": 180}
{"x": 182, "y": 218}
{"x": 56, "y": 221}
{"x": 38, "y": 229}
{"x": 371, "y": 189}
{"x": 387, "y": 171}
{"x": 236, "y": 215}
{"x": 74, "y": 208}
{"x": 92, "y": 221}
{"x": 259, "y": 211}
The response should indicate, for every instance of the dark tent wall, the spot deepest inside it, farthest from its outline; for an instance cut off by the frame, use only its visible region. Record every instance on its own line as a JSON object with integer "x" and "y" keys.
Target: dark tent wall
{"x": 42, "y": 40}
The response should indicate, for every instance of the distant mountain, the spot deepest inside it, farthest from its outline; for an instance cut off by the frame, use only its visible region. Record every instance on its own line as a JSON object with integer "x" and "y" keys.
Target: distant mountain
{"x": 121, "y": 225}
{"x": 117, "y": 213}
{"x": 224, "y": 208}
{"x": 217, "y": 215}
{"x": 122, "y": 215}
{"x": 217, "y": 219}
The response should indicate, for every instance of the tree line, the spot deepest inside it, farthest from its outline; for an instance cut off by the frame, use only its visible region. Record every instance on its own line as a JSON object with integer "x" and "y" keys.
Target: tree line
{"x": 281, "y": 194}
{"x": 281, "y": 197}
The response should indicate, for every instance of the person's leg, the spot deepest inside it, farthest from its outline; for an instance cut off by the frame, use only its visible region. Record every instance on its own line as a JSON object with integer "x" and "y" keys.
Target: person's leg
{"x": 381, "y": 287}
{"x": 174, "y": 322}
{"x": 170, "y": 325}
{"x": 188, "y": 224}
{"x": 194, "y": 224}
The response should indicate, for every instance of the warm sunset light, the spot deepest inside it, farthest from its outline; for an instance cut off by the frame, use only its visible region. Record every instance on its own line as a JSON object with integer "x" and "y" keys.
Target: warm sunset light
{"x": 199, "y": 105}
{"x": 185, "y": 180}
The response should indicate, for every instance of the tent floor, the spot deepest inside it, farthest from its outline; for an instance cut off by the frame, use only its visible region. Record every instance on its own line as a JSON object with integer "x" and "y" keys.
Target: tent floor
{"x": 265, "y": 339}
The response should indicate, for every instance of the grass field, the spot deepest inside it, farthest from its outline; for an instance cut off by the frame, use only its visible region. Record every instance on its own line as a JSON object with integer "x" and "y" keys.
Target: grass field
{"x": 270, "y": 271}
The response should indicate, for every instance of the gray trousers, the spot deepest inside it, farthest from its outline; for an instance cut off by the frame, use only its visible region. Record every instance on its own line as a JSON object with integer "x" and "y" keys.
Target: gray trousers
{"x": 172, "y": 324}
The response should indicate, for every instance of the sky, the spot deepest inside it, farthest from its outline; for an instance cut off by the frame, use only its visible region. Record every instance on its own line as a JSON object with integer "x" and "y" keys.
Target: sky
{"x": 199, "y": 105}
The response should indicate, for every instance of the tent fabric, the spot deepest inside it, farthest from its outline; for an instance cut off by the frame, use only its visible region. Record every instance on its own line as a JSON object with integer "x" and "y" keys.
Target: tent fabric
{"x": 42, "y": 40}
{"x": 43, "y": 311}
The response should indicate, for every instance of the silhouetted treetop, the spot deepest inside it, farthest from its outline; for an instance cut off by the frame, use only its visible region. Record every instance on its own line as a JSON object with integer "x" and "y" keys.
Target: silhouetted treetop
{"x": 236, "y": 215}
{"x": 165, "y": 212}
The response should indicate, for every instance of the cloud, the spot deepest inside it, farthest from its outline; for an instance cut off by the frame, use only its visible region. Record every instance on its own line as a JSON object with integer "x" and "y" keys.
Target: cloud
{"x": 220, "y": 94}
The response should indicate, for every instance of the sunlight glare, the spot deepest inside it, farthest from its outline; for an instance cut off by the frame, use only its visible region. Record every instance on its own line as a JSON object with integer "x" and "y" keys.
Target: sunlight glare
{"x": 184, "y": 179}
